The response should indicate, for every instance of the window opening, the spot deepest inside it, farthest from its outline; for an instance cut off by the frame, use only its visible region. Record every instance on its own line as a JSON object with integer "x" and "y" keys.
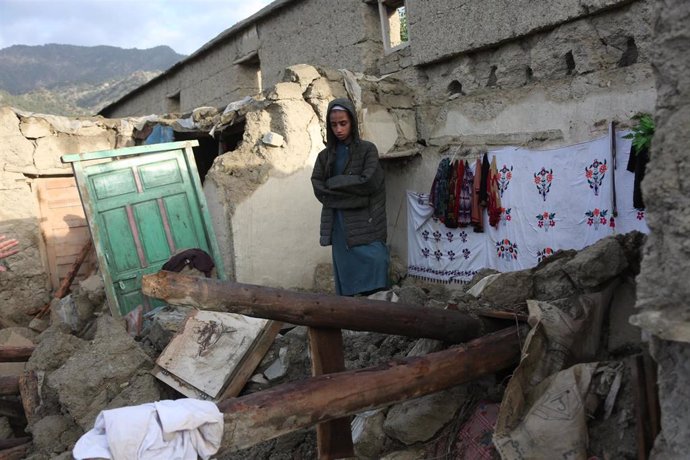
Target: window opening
{"x": 394, "y": 24}
{"x": 249, "y": 74}
{"x": 204, "y": 153}
{"x": 173, "y": 103}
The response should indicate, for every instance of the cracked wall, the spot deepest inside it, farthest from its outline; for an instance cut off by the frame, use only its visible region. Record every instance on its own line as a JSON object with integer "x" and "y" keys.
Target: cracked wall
{"x": 32, "y": 147}
{"x": 663, "y": 289}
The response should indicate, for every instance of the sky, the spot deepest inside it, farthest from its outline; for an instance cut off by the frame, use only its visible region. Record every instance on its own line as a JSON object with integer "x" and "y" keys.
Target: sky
{"x": 182, "y": 25}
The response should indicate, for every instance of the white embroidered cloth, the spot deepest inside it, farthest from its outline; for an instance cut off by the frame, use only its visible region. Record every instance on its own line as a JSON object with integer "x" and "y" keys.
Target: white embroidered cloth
{"x": 552, "y": 199}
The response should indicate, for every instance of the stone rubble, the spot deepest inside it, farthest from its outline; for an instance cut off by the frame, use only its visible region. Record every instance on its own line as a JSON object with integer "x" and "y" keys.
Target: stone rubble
{"x": 113, "y": 367}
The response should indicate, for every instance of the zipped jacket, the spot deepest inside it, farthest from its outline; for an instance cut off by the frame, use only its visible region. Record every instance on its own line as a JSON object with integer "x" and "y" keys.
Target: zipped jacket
{"x": 359, "y": 192}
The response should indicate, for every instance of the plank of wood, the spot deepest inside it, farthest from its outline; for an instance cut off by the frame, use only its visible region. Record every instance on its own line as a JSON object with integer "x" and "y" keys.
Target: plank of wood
{"x": 28, "y": 390}
{"x": 285, "y": 408}
{"x": 314, "y": 310}
{"x": 58, "y": 182}
{"x": 641, "y": 415}
{"x": 9, "y": 385}
{"x": 12, "y": 354}
{"x": 334, "y": 437}
{"x": 13, "y": 442}
{"x": 12, "y": 409}
{"x": 15, "y": 453}
{"x": 251, "y": 360}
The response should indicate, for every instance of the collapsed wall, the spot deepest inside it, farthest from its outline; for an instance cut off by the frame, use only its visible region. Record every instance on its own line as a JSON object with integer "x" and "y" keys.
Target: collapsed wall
{"x": 260, "y": 196}
{"x": 30, "y": 154}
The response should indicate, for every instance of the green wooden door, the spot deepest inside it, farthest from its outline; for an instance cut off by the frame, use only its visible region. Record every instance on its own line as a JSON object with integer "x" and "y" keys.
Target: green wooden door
{"x": 142, "y": 207}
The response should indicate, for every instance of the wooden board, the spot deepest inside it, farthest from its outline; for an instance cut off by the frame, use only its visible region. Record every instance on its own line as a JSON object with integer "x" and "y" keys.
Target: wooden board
{"x": 63, "y": 227}
{"x": 209, "y": 352}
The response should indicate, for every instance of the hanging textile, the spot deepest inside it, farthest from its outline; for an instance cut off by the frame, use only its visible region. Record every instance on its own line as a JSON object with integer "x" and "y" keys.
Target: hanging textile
{"x": 547, "y": 200}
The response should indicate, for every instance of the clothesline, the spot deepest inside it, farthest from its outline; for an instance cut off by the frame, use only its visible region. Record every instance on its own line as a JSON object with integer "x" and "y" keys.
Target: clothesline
{"x": 550, "y": 200}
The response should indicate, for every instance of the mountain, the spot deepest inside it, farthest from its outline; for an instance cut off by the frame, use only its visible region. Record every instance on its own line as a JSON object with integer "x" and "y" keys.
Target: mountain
{"x": 76, "y": 80}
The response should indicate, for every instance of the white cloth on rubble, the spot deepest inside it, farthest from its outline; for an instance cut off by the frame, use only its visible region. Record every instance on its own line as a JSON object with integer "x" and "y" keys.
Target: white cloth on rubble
{"x": 181, "y": 429}
{"x": 574, "y": 206}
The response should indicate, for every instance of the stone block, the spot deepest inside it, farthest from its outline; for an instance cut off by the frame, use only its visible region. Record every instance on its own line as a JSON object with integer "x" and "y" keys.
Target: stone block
{"x": 418, "y": 420}
{"x": 50, "y": 149}
{"x": 34, "y": 128}
{"x": 302, "y": 74}
{"x": 367, "y": 434}
{"x": 509, "y": 289}
{"x": 379, "y": 127}
{"x": 285, "y": 90}
{"x": 104, "y": 367}
{"x": 597, "y": 263}
{"x": 273, "y": 139}
{"x": 550, "y": 279}
{"x": 17, "y": 151}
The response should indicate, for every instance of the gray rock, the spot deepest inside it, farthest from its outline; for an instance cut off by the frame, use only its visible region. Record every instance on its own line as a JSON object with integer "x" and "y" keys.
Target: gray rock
{"x": 165, "y": 323}
{"x": 367, "y": 434}
{"x": 54, "y": 433}
{"x": 412, "y": 295}
{"x": 93, "y": 376}
{"x": 94, "y": 289}
{"x": 551, "y": 281}
{"x": 5, "y": 428}
{"x": 143, "y": 388}
{"x": 279, "y": 367}
{"x": 420, "y": 419}
{"x": 425, "y": 346}
{"x": 597, "y": 263}
{"x": 54, "y": 350}
{"x": 509, "y": 289}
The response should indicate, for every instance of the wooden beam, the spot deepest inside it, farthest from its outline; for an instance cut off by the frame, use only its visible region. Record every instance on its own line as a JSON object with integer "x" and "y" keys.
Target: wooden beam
{"x": 10, "y": 354}
{"x": 67, "y": 281}
{"x": 268, "y": 414}
{"x": 316, "y": 310}
{"x": 31, "y": 401}
{"x": 13, "y": 442}
{"x": 12, "y": 409}
{"x": 15, "y": 453}
{"x": 9, "y": 385}
{"x": 334, "y": 437}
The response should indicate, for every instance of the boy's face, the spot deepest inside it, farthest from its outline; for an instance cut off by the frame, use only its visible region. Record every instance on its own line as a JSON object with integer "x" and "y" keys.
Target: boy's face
{"x": 340, "y": 124}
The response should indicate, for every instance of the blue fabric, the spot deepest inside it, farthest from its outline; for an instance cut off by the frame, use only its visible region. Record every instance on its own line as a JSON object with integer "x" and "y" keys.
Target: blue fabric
{"x": 160, "y": 134}
{"x": 358, "y": 269}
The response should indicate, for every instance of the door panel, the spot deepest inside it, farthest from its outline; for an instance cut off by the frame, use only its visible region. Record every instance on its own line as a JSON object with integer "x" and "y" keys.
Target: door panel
{"x": 146, "y": 207}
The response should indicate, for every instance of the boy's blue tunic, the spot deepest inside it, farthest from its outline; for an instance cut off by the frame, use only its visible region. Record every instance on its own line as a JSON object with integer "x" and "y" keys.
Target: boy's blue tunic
{"x": 359, "y": 269}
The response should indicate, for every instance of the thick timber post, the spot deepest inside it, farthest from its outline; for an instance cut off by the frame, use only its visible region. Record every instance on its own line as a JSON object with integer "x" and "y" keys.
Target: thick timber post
{"x": 316, "y": 310}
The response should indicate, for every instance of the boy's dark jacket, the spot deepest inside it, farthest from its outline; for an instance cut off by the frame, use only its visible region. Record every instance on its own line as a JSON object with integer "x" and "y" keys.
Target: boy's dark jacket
{"x": 359, "y": 192}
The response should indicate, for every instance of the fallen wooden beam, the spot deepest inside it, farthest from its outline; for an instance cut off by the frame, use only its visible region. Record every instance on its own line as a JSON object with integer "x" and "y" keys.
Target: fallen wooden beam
{"x": 11, "y": 354}
{"x": 12, "y": 409}
{"x": 271, "y": 413}
{"x": 9, "y": 385}
{"x": 67, "y": 281}
{"x": 13, "y": 442}
{"x": 316, "y": 310}
{"x": 15, "y": 453}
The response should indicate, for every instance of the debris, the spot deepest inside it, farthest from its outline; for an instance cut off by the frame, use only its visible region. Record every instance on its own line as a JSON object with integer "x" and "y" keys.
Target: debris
{"x": 208, "y": 352}
{"x": 261, "y": 416}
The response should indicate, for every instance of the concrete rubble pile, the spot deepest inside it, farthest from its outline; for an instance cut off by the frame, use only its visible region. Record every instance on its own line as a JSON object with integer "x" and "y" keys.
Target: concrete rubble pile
{"x": 85, "y": 361}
